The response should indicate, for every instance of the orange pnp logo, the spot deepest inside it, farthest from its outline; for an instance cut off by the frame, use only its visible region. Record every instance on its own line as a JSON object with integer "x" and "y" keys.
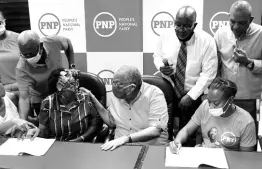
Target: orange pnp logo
{"x": 162, "y": 21}
{"x": 104, "y": 24}
{"x": 49, "y": 24}
{"x": 218, "y": 20}
{"x": 107, "y": 77}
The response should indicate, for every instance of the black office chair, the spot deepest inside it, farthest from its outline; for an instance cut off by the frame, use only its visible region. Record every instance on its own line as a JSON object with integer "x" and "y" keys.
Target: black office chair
{"x": 168, "y": 91}
{"x": 95, "y": 84}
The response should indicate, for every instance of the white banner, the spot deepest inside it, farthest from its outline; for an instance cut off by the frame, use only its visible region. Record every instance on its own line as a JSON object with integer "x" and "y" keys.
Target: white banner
{"x": 61, "y": 17}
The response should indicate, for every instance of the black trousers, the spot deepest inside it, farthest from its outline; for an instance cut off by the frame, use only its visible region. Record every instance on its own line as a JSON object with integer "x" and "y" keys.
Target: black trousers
{"x": 185, "y": 115}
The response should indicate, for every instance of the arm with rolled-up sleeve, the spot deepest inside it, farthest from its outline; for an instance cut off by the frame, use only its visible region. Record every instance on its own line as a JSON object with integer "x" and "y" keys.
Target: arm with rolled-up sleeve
{"x": 209, "y": 70}
{"x": 158, "y": 115}
{"x": 158, "y": 118}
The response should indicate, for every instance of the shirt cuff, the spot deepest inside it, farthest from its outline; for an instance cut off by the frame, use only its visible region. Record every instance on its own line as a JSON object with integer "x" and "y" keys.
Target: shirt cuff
{"x": 159, "y": 123}
{"x": 257, "y": 65}
{"x": 193, "y": 95}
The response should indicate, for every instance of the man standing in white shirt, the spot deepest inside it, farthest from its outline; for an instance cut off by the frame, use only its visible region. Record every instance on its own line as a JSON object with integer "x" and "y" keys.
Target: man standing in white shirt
{"x": 192, "y": 58}
{"x": 240, "y": 52}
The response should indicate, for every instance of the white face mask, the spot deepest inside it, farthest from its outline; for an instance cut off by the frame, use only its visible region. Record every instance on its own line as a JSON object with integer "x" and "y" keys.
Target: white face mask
{"x": 218, "y": 111}
{"x": 34, "y": 60}
{"x": 2, "y": 29}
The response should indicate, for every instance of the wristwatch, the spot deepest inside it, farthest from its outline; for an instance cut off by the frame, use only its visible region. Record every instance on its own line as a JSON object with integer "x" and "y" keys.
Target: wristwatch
{"x": 72, "y": 66}
{"x": 250, "y": 66}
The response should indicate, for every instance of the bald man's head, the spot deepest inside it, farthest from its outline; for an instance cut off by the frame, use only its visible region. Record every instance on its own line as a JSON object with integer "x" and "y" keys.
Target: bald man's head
{"x": 240, "y": 18}
{"x": 186, "y": 12}
{"x": 185, "y": 22}
{"x": 28, "y": 42}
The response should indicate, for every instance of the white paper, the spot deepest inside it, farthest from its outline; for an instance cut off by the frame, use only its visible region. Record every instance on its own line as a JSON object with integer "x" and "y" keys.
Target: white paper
{"x": 36, "y": 147}
{"x": 195, "y": 156}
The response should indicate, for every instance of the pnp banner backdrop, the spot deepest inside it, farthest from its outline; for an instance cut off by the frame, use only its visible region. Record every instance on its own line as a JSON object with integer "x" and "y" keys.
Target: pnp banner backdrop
{"x": 64, "y": 18}
{"x": 109, "y": 33}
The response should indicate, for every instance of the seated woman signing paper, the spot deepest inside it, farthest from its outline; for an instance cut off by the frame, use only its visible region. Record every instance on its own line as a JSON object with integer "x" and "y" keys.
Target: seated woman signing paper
{"x": 223, "y": 124}
{"x": 68, "y": 114}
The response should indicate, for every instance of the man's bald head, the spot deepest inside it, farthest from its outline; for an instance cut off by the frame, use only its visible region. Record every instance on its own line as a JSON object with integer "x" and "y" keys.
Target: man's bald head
{"x": 242, "y": 7}
{"x": 128, "y": 73}
{"x": 28, "y": 42}
{"x": 187, "y": 12}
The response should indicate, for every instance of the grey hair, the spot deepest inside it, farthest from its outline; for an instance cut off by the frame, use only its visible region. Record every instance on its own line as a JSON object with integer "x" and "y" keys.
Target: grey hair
{"x": 242, "y": 6}
{"x": 130, "y": 74}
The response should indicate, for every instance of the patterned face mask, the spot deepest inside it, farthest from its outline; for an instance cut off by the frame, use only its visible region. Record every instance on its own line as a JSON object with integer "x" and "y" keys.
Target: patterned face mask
{"x": 67, "y": 81}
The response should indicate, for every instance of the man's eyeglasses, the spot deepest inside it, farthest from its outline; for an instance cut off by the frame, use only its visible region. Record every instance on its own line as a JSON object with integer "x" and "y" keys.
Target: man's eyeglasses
{"x": 179, "y": 26}
{"x": 2, "y": 22}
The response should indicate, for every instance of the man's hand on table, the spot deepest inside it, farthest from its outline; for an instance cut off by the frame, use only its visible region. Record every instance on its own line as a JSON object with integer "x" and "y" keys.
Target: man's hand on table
{"x": 111, "y": 145}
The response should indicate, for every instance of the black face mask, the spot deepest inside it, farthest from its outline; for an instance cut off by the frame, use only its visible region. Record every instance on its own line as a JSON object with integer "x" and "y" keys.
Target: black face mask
{"x": 188, "y": 38}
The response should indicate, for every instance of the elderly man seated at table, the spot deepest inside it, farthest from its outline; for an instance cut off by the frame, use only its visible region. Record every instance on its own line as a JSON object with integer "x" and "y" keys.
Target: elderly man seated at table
{"x": 68, "y": 114}
{"x": 10, "y": 122}
{"x": 223, "y": 124}
{"x": 136, "y": 109}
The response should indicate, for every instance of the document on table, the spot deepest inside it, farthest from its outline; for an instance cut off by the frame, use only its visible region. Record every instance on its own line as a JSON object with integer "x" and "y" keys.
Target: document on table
{"x": 195, "y": 157}
{"x": 36, "y": 147}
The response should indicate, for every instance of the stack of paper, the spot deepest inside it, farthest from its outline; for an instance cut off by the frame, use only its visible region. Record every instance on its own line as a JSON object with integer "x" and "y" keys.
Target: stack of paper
{"x": 36, "y": 147}
{"x": 195, "y": 157}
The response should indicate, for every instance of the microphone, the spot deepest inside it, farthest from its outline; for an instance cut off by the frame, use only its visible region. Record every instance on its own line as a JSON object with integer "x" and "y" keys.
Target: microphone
{"x": 165, "y": 61}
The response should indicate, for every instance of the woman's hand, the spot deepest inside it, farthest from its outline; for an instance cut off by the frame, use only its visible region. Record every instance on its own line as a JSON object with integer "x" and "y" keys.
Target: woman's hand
{"x": 32, "y": 133}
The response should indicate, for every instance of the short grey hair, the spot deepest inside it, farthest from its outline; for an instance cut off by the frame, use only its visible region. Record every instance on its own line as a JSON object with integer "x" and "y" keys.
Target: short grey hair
{"x": 242, "y": 6}
{"x": 130, "y": 74}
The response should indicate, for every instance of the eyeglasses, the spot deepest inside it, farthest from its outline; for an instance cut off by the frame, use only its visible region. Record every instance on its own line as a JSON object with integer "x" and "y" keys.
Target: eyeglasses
{"x": 2, "y": 22}
{"x": 179, "y": 26}
{"x": 119, "y": 85}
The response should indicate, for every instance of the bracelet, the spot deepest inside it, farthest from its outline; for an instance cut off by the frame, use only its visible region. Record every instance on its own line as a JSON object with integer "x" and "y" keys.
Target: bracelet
{"x": 82, "y": 138}
{"x": 129, "y": 138}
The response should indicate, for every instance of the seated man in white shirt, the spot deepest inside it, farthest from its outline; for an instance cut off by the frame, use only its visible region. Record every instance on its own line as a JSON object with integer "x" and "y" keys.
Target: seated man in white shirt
{"x": 10, "y": 122}
{"x": 192, "y": 58}
{"x": 223, "y": 124}
{"x": 137, "y": 110}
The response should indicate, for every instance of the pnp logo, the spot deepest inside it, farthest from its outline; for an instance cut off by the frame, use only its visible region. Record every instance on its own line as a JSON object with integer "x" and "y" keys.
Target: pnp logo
{"x": 105, "y": 24}
{"x": 49, "y": 24}
{"x": 218, "y": 20}
{"x": 107, "y": 77}
{"x": 162, "y": 21}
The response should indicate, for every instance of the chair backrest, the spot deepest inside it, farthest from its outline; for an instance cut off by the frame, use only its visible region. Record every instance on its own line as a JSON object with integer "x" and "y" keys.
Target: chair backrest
{"x": 95, "y": 84}
{"x": 168, "y": 91}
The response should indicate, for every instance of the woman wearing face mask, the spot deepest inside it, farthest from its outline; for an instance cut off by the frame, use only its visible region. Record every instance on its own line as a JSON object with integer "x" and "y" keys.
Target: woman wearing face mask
{"x": 235, "y": 126}
{"x": 9, "y": 56}
{"x": 68, "y": 114}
